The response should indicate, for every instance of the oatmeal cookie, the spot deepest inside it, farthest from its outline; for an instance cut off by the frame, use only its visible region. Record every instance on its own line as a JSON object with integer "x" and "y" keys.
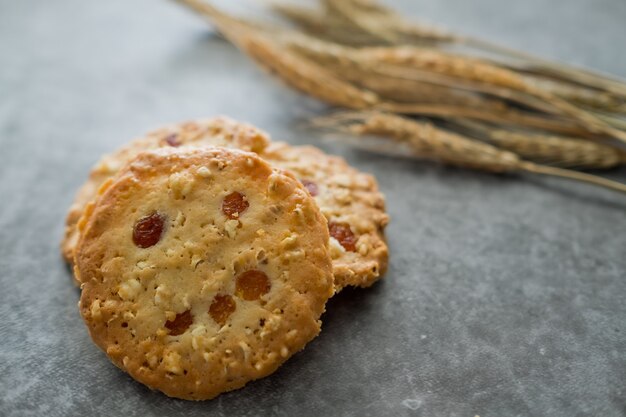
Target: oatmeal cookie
{"x": 202, "y": 269}
{"x": 349, "y": 199}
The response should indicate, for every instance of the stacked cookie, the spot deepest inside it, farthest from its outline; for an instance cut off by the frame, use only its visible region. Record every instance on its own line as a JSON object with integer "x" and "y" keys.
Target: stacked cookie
{"x": 206, "y": 253}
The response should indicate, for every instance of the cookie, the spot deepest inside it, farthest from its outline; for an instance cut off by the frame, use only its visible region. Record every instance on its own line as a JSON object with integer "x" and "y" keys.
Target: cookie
{"x": 349, "y": 199}
{"x": 220, "y": 131}
{"x": 351, "y": 203}
{"x": 202, "y": 269}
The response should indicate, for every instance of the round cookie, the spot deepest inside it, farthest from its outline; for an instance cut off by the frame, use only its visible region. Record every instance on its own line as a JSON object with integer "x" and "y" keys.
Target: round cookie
{"x": 219, "y": 131}
{"x": 202, "y": 269}
{"x": 349, "y": 199}
{"x": 351, "y": 203}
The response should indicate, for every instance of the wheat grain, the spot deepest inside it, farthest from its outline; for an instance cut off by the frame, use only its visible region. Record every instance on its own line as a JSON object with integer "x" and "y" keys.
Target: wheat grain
{"x": 309, "y": 77}
{"x": 439, "y": 62}
{"x": 382, "y": 23}
{"x": 346, "y": 63}
{"x": 430, "y": 142}
{"x": 476, "y": 70}
{"x": 587, "y": 97}
{"x": 379, "y": 21}
{"x": 329, "y": 27}
{"x": 531, "y": 63}
{"x": 565, "y": 152}
{"x": 358, "y": 66}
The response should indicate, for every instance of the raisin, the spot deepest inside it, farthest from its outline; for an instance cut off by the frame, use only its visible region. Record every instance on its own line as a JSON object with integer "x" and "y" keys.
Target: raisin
{"x": 342, "y": 233}
{"x": 172, "y": 140}
{"x": 221, "y": 308}
{"x": 251, "y": 285}
{"x": 234, "y": 204}
{"x": 311, "y": 187}
{"x": 180, "y": 324}
{"x": 148, "y": 230}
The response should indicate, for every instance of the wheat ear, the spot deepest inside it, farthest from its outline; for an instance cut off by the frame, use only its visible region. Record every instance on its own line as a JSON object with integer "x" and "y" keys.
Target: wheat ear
{"x": 393, "y": 23}
{"x": 428, "y": 141}
{"x": 295, "y": 70}
{"x": 564, "y": 152}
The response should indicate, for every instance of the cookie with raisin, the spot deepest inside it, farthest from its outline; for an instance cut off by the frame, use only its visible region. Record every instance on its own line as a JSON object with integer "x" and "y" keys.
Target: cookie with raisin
{"x": 202, "y": 269}
{"x": 349, "y": 199}
{"x": 352, "y": 204}
{"x": 219, "y": 131}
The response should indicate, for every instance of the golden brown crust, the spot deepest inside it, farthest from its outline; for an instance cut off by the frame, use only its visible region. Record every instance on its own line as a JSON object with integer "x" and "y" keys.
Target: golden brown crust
{"x": 347, "y": 197}
{"x": 149, "y": 308}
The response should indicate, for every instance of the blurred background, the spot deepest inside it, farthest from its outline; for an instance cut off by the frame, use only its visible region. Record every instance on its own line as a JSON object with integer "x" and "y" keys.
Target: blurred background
{"x": 504, "y": 294}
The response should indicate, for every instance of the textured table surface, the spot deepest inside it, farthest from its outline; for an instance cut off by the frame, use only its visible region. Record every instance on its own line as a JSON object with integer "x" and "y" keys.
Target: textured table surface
{"x": 505, "y": 296}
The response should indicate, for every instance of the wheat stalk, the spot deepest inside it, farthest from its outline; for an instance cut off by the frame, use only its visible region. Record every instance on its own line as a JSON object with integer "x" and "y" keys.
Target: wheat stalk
{"x": 453, "y": 87}
{"x": 375, "y": 67}
{"x": 382, "y": 23}
{"x": 390, "y": 24}
{"x": 349, "y": 65}
{"x": 564, "y": 152}
{"x": 483, "y": 72}
{"x": 322, "y": 26}
{"x": 430, "y": 142}
{"x": 506, "y": 117}
{"x": 314, "y": 80}
{"x": 305, "y": 75}
{"x": 590, "y": 98}
{"x": 298, "y": 72}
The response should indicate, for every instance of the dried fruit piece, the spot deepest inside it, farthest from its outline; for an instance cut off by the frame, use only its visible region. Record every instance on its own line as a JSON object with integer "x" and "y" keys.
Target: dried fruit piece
{"x": 251, "y": 285}
{"x": 172, "y": 140}
{"x": 234, "y": 204}
{"x": 180, "y": 324}
{"x": 311, "y": 187}
{"x": 221, "y": 308}
{"x": 148, "y": 230}
{"x": 342, "y": 233}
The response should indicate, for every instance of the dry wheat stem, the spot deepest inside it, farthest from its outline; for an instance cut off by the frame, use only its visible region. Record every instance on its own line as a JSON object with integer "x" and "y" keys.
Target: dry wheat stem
{"x": 617, "y": 122}
{"x": 573, "y": 175}
{"x": 476, "y": 70}
{"x": 566, "y": 72}
{"x": 323, "y": 27}
{"x": 298, "y": 72}
{"x": 312, "y": 79}
{"x": 348, "y": 64}
{"x": 340, "y": 61}
{"x": 393, "y": 26}
{"x": 507, "y": 117}
{"x": 393, "y": 22}
{"x": 382, "y": 23}
{"x": 429, "y": 141}
{"x": 583, "y": 96}
{"x": 415, "y": 92}
{"x": 565, "y": 152}
{"x": 308, "y": 77}
{"x": 424, "y": 138}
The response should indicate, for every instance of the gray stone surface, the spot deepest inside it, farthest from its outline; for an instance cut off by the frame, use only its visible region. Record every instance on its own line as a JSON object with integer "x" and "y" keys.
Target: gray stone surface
{"x": 505, "y": 295}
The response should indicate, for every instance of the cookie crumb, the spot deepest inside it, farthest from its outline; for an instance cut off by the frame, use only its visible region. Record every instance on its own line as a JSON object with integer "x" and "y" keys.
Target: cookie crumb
{"x": 231, "y": 228}
{"x": 129, "y": 289}
{"x": 204, "y": 172}
{"x": 95, "y": 310}
{"x": 171, "y": 363}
